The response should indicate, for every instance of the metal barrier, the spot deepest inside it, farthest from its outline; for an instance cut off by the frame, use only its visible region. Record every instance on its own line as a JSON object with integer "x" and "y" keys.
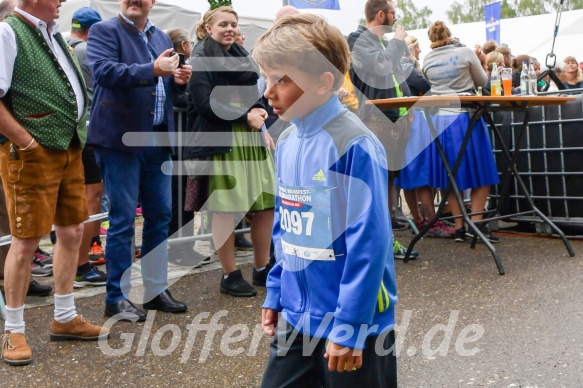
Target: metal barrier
{"x": 549, "y": 163}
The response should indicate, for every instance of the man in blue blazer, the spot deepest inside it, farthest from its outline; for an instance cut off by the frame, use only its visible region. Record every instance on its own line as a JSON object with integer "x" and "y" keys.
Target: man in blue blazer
{"x": 134, "y": 77}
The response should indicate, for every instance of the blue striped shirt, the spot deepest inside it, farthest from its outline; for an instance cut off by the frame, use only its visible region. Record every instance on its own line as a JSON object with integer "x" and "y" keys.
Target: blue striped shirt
{"x": 160, "y": 92}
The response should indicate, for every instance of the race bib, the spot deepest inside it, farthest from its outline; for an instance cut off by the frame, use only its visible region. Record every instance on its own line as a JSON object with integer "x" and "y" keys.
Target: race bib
{"x": 305, "y": 222}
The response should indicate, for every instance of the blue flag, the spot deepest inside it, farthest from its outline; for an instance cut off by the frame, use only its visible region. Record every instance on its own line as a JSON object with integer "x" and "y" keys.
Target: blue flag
{"x": 323, "y": 4}
{"x": 492, "y": 19}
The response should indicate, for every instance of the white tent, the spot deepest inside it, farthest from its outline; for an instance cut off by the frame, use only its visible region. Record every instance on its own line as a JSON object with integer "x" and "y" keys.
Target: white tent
{"x": 532, "y": 35}
{"x": 166, "y": 14}
{"x": 163, "y": 15}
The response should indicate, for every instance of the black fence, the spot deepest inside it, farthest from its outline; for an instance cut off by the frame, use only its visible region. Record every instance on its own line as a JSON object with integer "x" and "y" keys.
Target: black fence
{"x": 550, "y": 161}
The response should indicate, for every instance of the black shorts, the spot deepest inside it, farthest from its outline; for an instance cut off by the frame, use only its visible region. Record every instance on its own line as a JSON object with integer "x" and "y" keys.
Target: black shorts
{"x": 90, "y": 166}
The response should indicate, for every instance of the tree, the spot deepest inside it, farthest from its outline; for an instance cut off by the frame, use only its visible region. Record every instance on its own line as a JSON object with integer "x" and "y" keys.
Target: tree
{"x": 410, "y": 17}
{"x": 473, "y": 11}
{"x": 218, "y": 3}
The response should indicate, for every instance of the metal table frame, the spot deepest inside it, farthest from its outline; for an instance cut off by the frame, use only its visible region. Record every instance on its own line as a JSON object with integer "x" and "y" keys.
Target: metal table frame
{"x": 482, "y": 106}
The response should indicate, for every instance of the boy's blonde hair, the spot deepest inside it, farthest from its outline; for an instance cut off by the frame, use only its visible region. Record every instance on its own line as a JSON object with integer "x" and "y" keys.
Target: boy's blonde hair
{"x": 306, "y": 42}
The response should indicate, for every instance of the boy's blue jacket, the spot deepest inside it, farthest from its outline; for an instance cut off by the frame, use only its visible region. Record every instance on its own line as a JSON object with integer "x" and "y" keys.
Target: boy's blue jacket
{"x": 334, "y": 277}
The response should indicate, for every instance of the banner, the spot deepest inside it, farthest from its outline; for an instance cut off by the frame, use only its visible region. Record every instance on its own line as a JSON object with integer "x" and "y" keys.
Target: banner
{"x": 322, "y": 4}
{"x": 492, "y": 19}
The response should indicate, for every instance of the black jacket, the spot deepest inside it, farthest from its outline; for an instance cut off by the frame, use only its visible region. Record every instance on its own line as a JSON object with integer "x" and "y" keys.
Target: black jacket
{"x": 418, "y": 85}
{"x": 372, "y": 65}
{"x": 218, "y": 79}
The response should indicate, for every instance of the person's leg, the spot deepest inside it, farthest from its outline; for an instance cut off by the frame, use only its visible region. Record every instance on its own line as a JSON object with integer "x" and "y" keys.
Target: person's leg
{"x": 232, "y": 282}
{"x": 93, "y": 193}
{"x": 261, "y": 227}
{"x": 425, "y": 195}
{"x": 121, "y": 174}
{"x": 224, "y": 240}
{"x": 479, "y": 196}
{"x": 4, "y": 229}
{"x": 156, "y": 201}
{"x": 65, "y": 257}
{"x": 455, "y": 211}
{"x": 180, "y": 217}
{"x": 412, "y": 203}
{"x": 17, "y": 270}
{"x": 261, "y": 235}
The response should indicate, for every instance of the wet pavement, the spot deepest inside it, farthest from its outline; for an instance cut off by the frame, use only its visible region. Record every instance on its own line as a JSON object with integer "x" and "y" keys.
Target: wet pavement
{"x": 460, "y": 324}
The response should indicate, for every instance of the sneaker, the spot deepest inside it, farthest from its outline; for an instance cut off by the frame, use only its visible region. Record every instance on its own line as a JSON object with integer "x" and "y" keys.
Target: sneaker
{"x": 15, "y": 350}
{"x": 94, "y": 277}
{"x": 440, "y": 230}
{"x": 235, "y": 285}
{"x": 242, "y": 243}
{"x": 44, "y": 257}
{"x": 37, "y": 289}
{"x": 398, "y": 225}
{"x": 459, "y": 235}
{"x": 96, "y": 254}
{"x": 421, "y": 225}
{"x": 399, "y": 251}
{"x": 37, "y": 268}
{"x": 78, "y": 329}
{"x": 260, "y": 277}
{"x": 487, "y": 233}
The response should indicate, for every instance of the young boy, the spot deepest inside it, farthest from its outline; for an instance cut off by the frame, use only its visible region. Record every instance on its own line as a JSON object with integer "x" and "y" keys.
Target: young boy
{"x": 334, "y": 281}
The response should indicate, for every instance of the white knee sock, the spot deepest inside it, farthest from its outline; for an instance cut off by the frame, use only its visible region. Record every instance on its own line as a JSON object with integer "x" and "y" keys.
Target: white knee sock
{"x": 65, "y": 310}
{"x": 14, "y": 320}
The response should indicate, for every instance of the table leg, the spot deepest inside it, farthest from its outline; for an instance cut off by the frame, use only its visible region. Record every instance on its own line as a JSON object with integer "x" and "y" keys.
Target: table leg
{"x": 453, "y": 186}
{"x": 513, "y": 171}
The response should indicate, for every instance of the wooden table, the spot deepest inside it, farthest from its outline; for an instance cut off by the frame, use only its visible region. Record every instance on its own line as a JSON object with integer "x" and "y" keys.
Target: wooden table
{"x": 480, "y": 106}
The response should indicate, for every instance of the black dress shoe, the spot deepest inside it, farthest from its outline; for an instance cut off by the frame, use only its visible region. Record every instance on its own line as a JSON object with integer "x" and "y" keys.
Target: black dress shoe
{"x": 126, "y": 310}
{"x": 166, "y": 303}
{"x": 37, "y": 289}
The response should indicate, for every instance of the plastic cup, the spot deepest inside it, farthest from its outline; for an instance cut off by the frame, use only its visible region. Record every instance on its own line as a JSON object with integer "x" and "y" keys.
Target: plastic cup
{"x": 506, "y": 75}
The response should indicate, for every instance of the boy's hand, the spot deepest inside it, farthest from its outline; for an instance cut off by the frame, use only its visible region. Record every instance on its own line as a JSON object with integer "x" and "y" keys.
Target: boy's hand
{"x": 269, "y": 319}
{"x": 256, "y": 118}
{"x": 342, "y": 359}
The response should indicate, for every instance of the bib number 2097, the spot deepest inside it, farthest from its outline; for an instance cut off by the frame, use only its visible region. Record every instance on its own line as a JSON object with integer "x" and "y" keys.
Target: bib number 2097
{"x": 294, "y": 221}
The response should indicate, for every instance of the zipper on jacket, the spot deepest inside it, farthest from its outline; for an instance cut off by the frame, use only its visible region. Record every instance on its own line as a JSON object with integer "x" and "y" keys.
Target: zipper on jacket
{"x": 300, "y": 275}
{"x": 298, "y": 160}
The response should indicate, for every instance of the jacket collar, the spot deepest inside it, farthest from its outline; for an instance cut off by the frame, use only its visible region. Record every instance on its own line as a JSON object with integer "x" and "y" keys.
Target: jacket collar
{"x": 317, "y": 120}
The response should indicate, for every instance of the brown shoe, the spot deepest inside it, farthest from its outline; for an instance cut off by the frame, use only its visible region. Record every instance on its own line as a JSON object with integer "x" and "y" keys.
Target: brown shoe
{"x": 78, "y": 329}
{"x": 15, "y": 350}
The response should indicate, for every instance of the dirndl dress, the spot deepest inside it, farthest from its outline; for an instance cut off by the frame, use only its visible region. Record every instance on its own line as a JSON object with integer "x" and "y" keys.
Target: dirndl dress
{"x": 242, "y": 180}
{"x": 478, "y": 167}
{"x": 417, "y": 163}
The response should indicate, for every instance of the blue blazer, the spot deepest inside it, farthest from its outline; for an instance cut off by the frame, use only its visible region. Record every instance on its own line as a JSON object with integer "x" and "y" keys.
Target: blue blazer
{"x": 124, "y": 82}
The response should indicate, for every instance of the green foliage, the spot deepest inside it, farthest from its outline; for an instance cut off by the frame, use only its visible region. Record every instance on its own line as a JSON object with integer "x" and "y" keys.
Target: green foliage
{"x": 473, "y": 11}
{"x": 410, "y": 17}
{"x": 467, "y": 11}
{"x": 218, "y": 3}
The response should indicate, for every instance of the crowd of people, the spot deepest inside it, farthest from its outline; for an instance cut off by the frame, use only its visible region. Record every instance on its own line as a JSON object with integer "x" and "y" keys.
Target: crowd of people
{"x": 98, "y": 116}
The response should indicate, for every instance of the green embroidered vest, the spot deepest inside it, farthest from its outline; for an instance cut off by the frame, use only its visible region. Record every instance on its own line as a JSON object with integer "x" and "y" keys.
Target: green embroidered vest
{"x": 41, "y": 97}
